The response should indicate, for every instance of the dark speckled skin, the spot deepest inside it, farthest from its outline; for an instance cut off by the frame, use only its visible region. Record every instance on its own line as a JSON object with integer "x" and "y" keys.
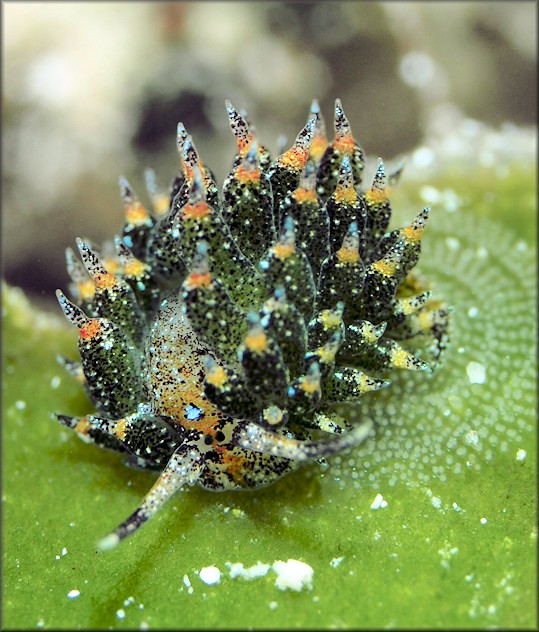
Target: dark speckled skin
{"x": 222, "y": 332}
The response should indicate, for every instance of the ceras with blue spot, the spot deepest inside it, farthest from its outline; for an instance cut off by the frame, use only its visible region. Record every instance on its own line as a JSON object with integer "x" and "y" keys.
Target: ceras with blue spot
{"x": 219, "y": 334}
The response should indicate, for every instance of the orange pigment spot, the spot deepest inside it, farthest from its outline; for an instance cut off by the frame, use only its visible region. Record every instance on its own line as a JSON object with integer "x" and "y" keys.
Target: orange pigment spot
{"x": 120, "y": 429}
{"x": 244, "y": 176}
{"x": 283, "y": 251}
{"x": 199, "y": 279}
{"x": 90, "y": 330}
{"x": 294, "y": 159}
{"x": 302, "y": 195}
{"x": 256, "y": 342}
{"x": 376, "y": 196}
{"x": 413, "y": 234}
{"x": 195, "y": 211}
{"x": 134, "y": 268}
{"x": 136, "y": 214}
{"x": 344, "y": 143}
{"x": 82, "y": 426}
{"x": 104, "y": 281}
{"x": 384, "y": 267}
{"x": 318, "y": 147}
{"x": 345, "y": 194}
{"x": 234, "y": 464}
{"x": 348, "y": 255}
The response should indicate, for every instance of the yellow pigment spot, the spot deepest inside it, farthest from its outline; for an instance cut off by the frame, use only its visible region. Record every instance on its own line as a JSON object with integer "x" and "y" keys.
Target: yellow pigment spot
{"x": 367, "y": 384}
{"x": 195, "y": 211}
{"x": 384, "y": 267}
{"x": 82, "y": 426}
{"x": 111, "y": 265}
{"x": 344, "y": 143}
{"x": 303, "y": 196}
{"x": 348, "y": 255}
{"x": 136, "y": 214}
{"x": 376, "y": 196}
{"x": 425, "y": 319}
{"x": 294, "y": 159}
{"x": 329, "y": 319}
{"x": 400, "y": 358}
{"x": 326, "y": 355}
{"x": 198, "y": 279}
{"x": 161, "y": 204}
{"x": 90, "y": 330}
{"x": 309, "y": 385}
{"x": 257, "y": 342}
{"x": 120, "y": 429}
{"x": 283, "y": 251}
{"x": 134, "y": 268}
{"x": 345, "y": 194}
{"x": 413, "y": 234}
{"x": 86, "y": 290}
{"x": 273, "y": 415}
{"x": 247, "y": 176}
{"x": 217, "y": 377}
{"x": 369, "y": 334}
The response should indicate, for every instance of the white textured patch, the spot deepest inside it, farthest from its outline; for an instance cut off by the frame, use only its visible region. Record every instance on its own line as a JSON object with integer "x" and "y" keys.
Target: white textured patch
{"x": 210, "y": 575}
{"x": 73, "y": 594}
{"x": 293, "y": 575}
{"x": 238, "y": 570}
{"x": 477, "y": 373}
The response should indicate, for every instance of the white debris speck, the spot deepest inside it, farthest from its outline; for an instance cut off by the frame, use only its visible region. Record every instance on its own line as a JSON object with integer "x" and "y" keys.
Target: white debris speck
{"x": 456, "y": 507}
{"x": 293, "y": 574}
{"x": 273, "y": 605}
{"x": 55, "y": 382}
{"x": 378, "y": 502}
{"x": 210, "y": 575}
{"x": 129, "y": 601}
{"x": 483, "y": 521}
{"x": 186, "y": 581}
{"x": 64, "y": 551}
{"x": 40, "y": 623}
{"x": 477, "y": 373}
{"x": 120, "y": 614}
{"x": 436, "y": 502}
{"x": 472, "y": 312}
{"x": 144, "y": 625}
{"x": 521, "y": 454}
{"x": 20, "y": 405}
{"x": 73, "y": 594}
{"x": 336, "y": 561}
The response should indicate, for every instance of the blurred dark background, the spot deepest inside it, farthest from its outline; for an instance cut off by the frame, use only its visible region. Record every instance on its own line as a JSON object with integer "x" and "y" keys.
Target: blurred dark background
{"x": 94, "y": 90}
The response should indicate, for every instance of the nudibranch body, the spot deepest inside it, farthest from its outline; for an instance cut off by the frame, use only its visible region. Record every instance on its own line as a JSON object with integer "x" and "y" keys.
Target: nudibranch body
{"x": 219, "y": 334}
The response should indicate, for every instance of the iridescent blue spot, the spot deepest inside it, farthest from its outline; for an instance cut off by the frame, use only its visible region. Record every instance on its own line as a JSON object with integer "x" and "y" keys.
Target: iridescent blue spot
{"x": 193, "y": 413}
{"x": 128, "y": 241}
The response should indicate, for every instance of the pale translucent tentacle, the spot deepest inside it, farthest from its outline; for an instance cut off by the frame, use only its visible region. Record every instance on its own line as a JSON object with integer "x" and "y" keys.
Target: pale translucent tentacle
{"x": 252, "y": 437}
{"x": 184, "y": 467}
